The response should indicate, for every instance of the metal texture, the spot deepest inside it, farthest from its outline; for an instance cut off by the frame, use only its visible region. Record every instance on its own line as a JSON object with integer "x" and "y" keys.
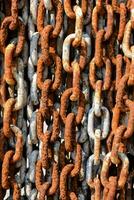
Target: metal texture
{"x": 66, "y": 99}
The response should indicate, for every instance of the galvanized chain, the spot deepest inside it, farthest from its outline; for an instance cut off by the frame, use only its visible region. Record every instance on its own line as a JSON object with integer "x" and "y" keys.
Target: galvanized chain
{"x": 66, "y": 99}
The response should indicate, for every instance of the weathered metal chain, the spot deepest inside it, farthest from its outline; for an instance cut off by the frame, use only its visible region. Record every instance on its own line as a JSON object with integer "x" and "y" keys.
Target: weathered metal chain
{"x": 13, "y": 100}
{"x": 66, "y": 99}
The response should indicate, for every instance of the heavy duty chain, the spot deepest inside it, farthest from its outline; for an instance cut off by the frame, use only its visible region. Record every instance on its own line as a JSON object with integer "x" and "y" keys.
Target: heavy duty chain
{"x": 66, "y": 99}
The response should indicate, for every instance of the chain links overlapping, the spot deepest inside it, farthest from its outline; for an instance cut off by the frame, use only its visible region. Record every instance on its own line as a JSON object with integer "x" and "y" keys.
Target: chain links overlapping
{"x": 66, "y": 99}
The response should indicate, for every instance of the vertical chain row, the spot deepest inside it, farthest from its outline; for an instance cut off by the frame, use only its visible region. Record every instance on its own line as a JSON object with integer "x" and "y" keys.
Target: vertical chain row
{"x": 13, "y": 99}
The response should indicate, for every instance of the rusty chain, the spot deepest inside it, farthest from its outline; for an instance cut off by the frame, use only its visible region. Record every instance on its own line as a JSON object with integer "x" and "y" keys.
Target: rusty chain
{"x": 66, "y": 99}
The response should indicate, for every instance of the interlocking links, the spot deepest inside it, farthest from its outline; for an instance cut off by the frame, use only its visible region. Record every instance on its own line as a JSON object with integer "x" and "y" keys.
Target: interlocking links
{"x": 47, "y": 118}
{"x": 105, "y": 83}
{"x": 109, "y": 184}
{"x": 14, "y": 92}
{"x": 66, "y": 99}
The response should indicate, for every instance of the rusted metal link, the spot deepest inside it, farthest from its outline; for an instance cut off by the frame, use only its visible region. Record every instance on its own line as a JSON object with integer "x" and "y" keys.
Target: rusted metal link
{"x": 116, "y": 143}
{"x": 7, "y": 117}
{"x": 8, "y": 73}
{"x": 69, "y": 132}
{"x": 127, "y": 130}
{"x": 19, "y": 144}
{"x": 78, "y": 158}
{"x": 122, "y": 24}
{"x": 99, "y": 48}
{"x": 55, "y": 180}
{"x": 111, "y": 188}
{"x": 97, "y": 146}
{"x": 72, "y": 196}
{"x": 56, "y": 126}
{"x": 78, "y": 26}
{"x": 121, "y": 90}
{"x": 6, "y": 169}
{"x": 76, "y": 81}
{"x": 63, "y": 180}
{"x": 14, "y": 14}
{"x": 123, "y": 173}
{"x": 59, "y": 18}
{"x": 132, "y": 13}
{"x": 63, "y": 108}
{"x": 125, "y": 43}
{"x": 2, "y": 144}
{"x": 107, "y": 77}
{"x": 40, "y": 68}
{"x": 16, "y": 190}
{"x": 68, "y": 8}
{"x": 7, "y": 178}
{"x": 46, "y": 188}
{"x": 131, "y": 73}
{"x": 45, "y": 40}
{"x": 119, "y": 62}
{"x": 109, "y": 28}
{"x": 44, "y": 98}
{"x": 130, "y": 126}
{"x": 21, "y": 35}
{"x": 45, "y": 150}
{"x": 41, "y": 187}
{"x": 97, "y": 185}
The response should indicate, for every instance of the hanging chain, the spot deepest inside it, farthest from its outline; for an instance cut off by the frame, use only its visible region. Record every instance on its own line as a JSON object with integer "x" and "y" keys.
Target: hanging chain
{"x": 66, "y": 99}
